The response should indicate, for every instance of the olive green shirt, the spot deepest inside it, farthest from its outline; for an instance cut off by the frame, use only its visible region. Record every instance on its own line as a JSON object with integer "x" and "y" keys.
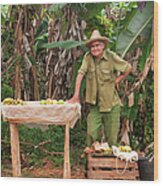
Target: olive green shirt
{"x": 100, "y": 79}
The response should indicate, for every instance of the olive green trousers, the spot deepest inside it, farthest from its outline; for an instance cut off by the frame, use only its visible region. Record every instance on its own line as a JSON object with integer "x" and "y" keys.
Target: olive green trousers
{"x": 101, "y": 124}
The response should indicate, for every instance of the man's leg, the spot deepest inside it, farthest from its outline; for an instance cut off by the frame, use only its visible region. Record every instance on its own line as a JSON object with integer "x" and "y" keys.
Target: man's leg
{"x": 94, "y": 124}
{"x": 111, "y": 125}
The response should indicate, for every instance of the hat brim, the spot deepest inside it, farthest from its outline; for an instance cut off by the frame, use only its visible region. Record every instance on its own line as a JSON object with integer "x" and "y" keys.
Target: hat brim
{"x": 105, "y": 40}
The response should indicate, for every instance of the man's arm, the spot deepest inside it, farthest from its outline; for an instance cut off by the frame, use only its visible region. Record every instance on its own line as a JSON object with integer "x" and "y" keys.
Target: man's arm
{"x": 75, "y": 98}
{"x": 121, "y": 77}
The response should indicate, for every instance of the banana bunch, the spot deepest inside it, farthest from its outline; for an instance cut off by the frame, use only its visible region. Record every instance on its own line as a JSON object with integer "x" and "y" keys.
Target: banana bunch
{"x": 11, "y": 101}
{"x": 48, "y": 102}
{"x": 101, "y": 147}
{"x": 108, "y": 150}
{"x": 125, "y": 148}
{"x": 51, "y": 102}
{"x": 8, "y": 101}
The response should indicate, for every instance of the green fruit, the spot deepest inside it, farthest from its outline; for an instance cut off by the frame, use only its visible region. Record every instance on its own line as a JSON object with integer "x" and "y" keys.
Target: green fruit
{"x": 43, "y": 102}
{"x": 61, "y": 101}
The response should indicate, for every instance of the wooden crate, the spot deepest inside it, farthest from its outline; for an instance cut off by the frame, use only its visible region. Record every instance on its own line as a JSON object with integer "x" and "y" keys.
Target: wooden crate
{"x": 109, "y": 167}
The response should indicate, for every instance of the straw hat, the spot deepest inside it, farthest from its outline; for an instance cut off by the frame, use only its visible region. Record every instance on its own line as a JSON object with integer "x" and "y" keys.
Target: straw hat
{"x": 96, "y": 36}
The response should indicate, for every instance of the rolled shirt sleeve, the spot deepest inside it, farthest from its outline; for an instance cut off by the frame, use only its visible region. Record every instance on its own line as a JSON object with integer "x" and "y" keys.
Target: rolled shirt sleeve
{"x": 120, "y": 64}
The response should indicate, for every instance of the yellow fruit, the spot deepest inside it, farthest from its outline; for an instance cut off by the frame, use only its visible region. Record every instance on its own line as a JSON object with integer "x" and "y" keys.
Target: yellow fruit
{"x": 11, "y": 101}
{"x": 108, "y": 151}
{"x": 128, "y": 149}
{"x": 49, "y": 101}
{"x": 55, "y": 101}
{"x": 125, "y": 148}
{"x": 18, "y": 102}
{"x": 8, "y": 101}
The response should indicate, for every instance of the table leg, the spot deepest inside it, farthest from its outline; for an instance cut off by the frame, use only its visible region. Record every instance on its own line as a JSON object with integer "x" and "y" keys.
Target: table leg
{"x": 15, "y": 150}
{"x": 67, "y": 171}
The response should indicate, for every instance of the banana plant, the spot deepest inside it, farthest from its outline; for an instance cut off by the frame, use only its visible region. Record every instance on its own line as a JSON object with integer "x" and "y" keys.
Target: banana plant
{"x": 137, "y": 37}
{"x": 140, "y": 22}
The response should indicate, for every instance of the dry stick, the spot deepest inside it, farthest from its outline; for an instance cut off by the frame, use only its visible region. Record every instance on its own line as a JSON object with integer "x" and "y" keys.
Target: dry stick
{"x": 4, "y": 44}
{"x": 148, "y": 64}
{"x": 9, "y": 63}
{"x": 18, "y": 23}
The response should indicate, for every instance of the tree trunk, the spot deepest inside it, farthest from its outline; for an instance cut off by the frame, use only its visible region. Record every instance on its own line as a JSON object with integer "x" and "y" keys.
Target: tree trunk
{"x": 59, "y": 62}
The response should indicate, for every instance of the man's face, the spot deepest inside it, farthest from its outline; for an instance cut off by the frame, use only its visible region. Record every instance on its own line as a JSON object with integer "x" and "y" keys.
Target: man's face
{"x": 97, "y": 48}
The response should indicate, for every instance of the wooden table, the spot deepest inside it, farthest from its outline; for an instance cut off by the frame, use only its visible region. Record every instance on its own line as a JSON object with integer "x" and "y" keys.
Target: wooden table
{"x": 62, "y": 115}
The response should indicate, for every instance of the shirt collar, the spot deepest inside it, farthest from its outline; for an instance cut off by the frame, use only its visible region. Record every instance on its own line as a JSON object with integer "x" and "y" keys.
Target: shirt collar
{"x": 104, "y": 56}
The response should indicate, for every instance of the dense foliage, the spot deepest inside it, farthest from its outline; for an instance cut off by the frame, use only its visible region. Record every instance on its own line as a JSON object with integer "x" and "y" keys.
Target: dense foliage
{"x": 42, "y": 50}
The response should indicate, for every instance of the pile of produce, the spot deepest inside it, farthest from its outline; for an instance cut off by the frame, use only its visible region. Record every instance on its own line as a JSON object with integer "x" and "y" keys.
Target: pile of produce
{"x": 11, "y": 101}
{"x": 125, "y": 148}
{"x": 104, "y": 148}
{"x": 97, "y": 147}
{"x": 52, "y": 101}
{"x": 126, "y": 153}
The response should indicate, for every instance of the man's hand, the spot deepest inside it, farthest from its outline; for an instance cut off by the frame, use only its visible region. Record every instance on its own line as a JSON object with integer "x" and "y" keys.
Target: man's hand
{"x": 120, "y": 78}
{"x": 117, "y": 83}
{"x": 74, "y": 99}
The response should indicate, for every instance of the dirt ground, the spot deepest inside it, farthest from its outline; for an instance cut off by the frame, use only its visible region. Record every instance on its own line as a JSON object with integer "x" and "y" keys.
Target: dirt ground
{"x": 46, "y": 171}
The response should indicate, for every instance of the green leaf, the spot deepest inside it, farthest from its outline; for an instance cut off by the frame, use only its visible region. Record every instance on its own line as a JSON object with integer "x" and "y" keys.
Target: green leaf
{"x": 42, "y": 28}
{"x": 42, "y": 37}
{"x": 4, "y": 11}
{"x": 137, "y": 24}
{"x": 63, "y": 44}
{"x": 7, "y": 91}
{"x": 56, "y": 7}
{"x": 32, "y": 60}
{"x": 92, "y": 9}
{"x": 146, "y": 49}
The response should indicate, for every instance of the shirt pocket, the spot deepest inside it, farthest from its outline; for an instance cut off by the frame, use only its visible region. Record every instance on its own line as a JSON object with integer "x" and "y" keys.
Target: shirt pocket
{"x": 91, "y": 73}
{"x": 106, "y": 75}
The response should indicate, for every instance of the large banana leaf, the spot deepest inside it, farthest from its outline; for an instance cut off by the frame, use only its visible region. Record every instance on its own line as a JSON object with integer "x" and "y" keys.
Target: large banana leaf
{"x": 146, "y": 51}
{"x": 63, "y": 44}
{"x": 136, "y": 26}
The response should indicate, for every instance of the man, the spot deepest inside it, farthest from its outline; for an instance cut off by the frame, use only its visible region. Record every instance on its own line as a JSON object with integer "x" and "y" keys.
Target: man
{"x": 99, "y": 65}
